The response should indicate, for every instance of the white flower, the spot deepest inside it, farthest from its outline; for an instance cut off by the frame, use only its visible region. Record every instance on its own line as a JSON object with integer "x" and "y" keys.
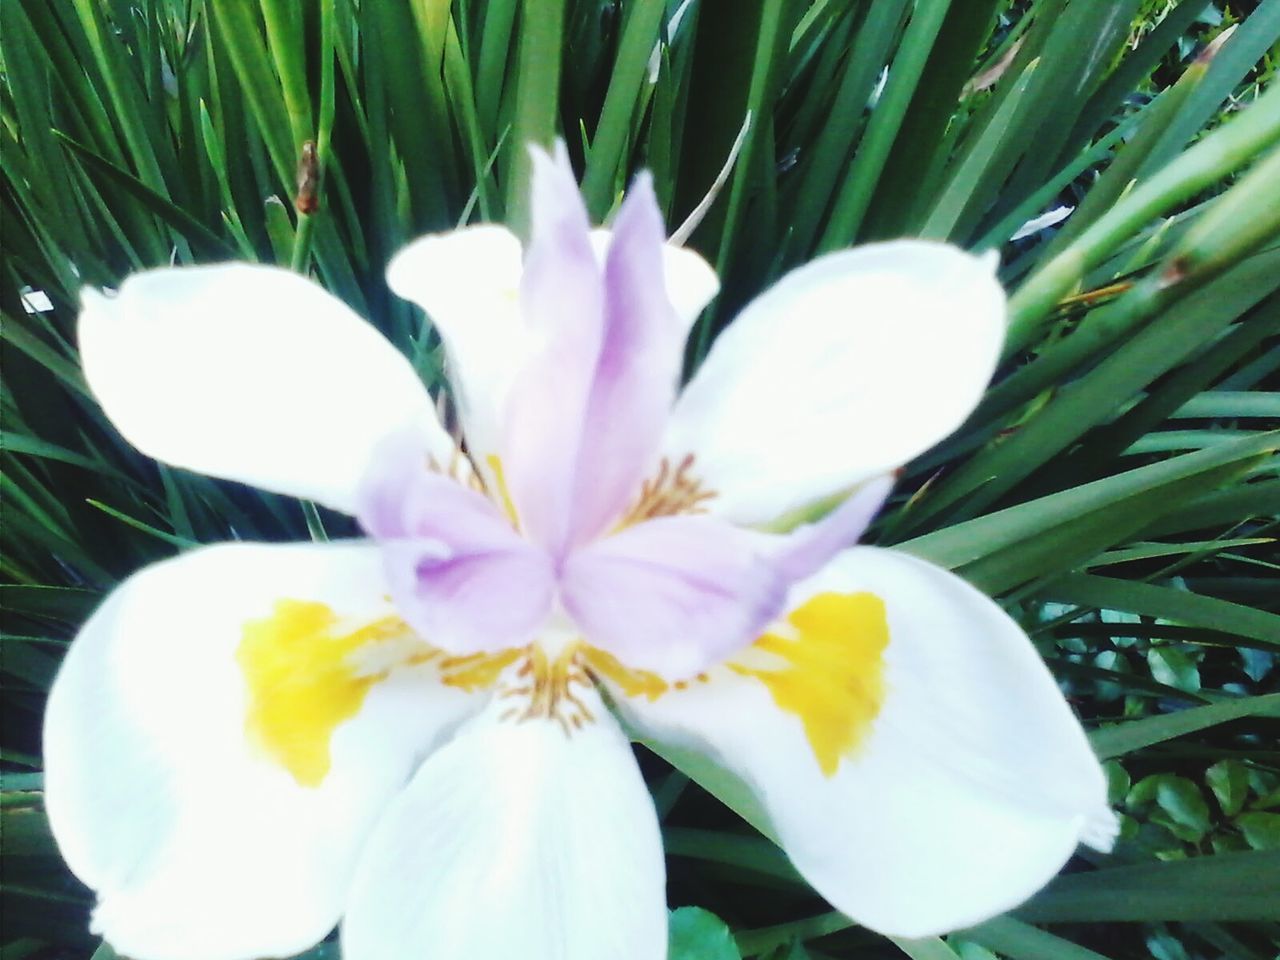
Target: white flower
{"x": 249, "y": 742}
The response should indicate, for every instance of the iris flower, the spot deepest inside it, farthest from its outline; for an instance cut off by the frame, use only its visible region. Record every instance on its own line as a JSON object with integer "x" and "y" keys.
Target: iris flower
{"x": 417, "y": 733}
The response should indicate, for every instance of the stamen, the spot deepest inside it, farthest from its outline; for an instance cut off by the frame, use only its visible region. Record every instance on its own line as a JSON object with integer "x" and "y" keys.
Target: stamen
{"x": 632, "y": 683}
{"x": 549, "y": 695}
{"x": 670, "y": 492}
{"x": 461, "y": 469}
{"x": 476, "y": 671}
{"x": 504, "y": 495}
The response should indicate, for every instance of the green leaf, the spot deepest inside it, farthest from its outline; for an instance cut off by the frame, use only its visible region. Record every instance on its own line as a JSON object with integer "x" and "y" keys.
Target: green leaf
{"x": 1093, "y": 399}
{"x": 754, "y": 942}
{"x": 851, "y": 203}
{"x": 1231, "y": 404}
{"x": 1135, "y": 68}
{"x": 1145, "y": 551}
{"x": 639, "y": 35}
{"x": 1122, "y": 738}
{"x": 735, "y": 850}
{"x": 1217, "y": 155}
{"x": 537, "y": 98}
{"x": 821, "y": 170}
{"x": 1021, "y": 941}
{"x": 35, "y": 447}
{"x": 1119, "y": 175}
{"x": 1251, "y": 41}
{"x": 1118, "y": 782}
{"x": 723, "y": 784}
{"x": 1229, "y": 781}
{"x": 925, "y": 948}
{"x": 26, "y": 832}
{"x": 1172, "y": 666}
{"x": 1226, "y": 886}
{"x": 499, "y": 15}
{"x": 187, "y": 226}
{"x": 963, "y": 186}
{"x": 697, "y": 934}
{"x": 776, "y": 19}
{"x": 1260, "y": 498}
{"x": 930, "y": 119}
{"x": 1261, "y": 830}
{"x": 1168, "y": 603}
{"x": 1059, "y": 531}
{"x": 242, "y": 33}
{"x": 1181, "y": 799}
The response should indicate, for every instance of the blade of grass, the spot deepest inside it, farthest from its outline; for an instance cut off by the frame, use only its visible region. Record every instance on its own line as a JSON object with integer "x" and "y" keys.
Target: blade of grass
{"x": 1121, "y": 172}
{"x": 1119, "y": 739}
{"x": 640, "y": 32}
{"x": 187, "y": 225}
{"x": 1094, "y": 398}
{"x": 1167, "y": 603}
{"x": 854, "y": 197}
{"x": 537, "y": 99}
{"x": 933, "y": 108}
{"x": 1253, "y": 39}
{"x": 1216, "y": 156}
{"x": 1225, "y": 886}
{"x": 829, "y": 155}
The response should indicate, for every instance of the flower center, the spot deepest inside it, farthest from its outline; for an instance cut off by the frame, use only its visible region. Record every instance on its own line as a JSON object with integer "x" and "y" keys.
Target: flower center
{"x": 673, "y": 490}
{"x": 549, "y": 686}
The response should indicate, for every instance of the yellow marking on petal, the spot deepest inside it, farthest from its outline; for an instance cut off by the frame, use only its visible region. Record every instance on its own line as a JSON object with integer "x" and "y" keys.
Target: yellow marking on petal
{"x": 831, "y": 672}
{"x": 504, "y": 494}
{"x": 632, "y": 683}
{"x": 304, "y": 681}
{"x": 476, "y": 671}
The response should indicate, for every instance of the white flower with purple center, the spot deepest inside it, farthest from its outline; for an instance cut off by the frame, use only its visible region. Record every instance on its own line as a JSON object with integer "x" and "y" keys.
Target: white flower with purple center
{"x": 415, "y": 733}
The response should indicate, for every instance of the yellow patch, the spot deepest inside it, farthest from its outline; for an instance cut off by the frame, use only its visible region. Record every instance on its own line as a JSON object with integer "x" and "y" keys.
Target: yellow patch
{"x": 476, "y": 671}
{"x": 632, "y": 683}
{"x": 830, "y": 673}
{"x": 303, "y": 681}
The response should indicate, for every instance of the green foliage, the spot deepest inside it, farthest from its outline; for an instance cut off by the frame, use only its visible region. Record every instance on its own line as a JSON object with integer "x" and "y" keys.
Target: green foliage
{"x": 699, "y": 935}
{"x": 1117, "y": 489}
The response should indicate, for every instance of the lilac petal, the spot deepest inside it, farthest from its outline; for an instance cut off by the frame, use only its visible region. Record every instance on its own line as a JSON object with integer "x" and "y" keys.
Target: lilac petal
{"x": 470, "y": 601}
{"x": 807, "y": 550}
{"x": 638, "y": 370}
{"x": 457, "y": 570}
{"x": 561, "y": 299}
{"x": 673, "y": 595}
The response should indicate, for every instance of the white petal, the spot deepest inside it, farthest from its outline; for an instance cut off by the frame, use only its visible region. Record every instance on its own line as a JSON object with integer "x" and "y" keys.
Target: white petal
{"x": 844, "y": 369}
{"x": 250, "y": 373}
{"x": 921, "y": 786}
{"x": 200, "y": 844}
{"x": 516, "y": 840}
{"x": 468, "y": 282}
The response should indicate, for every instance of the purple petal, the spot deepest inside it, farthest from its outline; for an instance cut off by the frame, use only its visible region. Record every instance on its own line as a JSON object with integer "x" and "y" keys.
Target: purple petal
{"x": 638, "y": 370}
{"x": 470, "y": 601}
{"x": 806, "y": 550}
{"x": 673, "y": 595}
{"x": 457, "y": 570}
{"x": 561, "y": 299}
